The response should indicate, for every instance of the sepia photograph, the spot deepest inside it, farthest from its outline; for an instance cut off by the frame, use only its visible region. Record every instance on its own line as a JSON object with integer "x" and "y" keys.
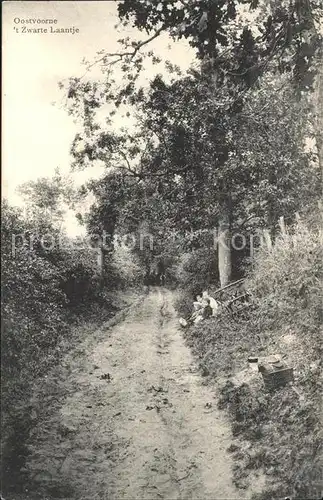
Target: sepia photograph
{"x": 161, "y": 250}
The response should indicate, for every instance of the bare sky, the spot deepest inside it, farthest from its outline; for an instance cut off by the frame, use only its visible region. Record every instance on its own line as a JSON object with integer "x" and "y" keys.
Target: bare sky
{"x": 37, "y": 134}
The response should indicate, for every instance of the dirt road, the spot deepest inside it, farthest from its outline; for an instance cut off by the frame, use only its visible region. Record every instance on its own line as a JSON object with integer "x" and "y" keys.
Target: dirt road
{"x": 137, "y": 421}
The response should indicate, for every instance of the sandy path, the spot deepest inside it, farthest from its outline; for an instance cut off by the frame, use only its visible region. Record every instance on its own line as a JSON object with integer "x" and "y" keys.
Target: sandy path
{"x": 139, "y": 423}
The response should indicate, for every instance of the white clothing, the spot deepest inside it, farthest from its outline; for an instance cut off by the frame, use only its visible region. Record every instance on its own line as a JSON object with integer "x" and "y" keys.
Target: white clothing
{"x": 213, "y": 303}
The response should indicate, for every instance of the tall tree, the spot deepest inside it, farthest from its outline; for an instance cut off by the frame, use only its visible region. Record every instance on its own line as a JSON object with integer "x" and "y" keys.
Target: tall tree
{"x": 191, "y": 127}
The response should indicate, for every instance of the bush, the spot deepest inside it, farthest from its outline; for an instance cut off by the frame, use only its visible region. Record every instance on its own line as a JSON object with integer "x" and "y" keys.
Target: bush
{"x": 287, "y": 285}
{"x": 193, "y": 273}
{"x": 126, "y": 267}
{"x": 43, "y": 292}
{"x": 33, "y": 303}
{"x": 197, "y": 269}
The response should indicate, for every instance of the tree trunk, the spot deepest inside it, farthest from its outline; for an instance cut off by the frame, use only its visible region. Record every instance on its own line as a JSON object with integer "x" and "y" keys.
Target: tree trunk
{"x": 100, "y": 262}
{"x": 224, "y": 247}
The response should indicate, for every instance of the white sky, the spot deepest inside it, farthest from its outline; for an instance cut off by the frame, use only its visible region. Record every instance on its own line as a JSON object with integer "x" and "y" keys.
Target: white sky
{"x": 36, "y": 134}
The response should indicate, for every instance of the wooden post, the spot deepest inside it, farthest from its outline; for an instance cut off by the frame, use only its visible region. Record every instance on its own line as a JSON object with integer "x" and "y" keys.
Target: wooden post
{"x": 252, "y": 245}
{"x": 282, "y": 226}
{"x": 267, "y": 239}
{"x": 100, "y": 261}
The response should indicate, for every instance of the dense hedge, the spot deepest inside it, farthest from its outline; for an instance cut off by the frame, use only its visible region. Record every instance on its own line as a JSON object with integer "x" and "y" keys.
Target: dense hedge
{"x": 44, "y": 292}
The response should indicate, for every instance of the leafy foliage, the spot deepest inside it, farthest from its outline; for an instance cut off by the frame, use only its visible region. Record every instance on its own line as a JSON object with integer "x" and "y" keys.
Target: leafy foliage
{"x": 219, "y": 146}
{"x": 33, "y": 303}
{"x": 284, "y": 33}
{"x": 45, "y": 288}
{"x": 195, "y": 155}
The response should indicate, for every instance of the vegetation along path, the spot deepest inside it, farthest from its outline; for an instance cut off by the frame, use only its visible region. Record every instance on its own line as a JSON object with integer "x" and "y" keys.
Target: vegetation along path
{"x": 138, "y": 422}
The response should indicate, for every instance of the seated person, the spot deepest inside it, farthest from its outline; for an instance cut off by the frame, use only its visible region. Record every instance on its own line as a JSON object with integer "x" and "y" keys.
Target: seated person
{"x": 202, "y": 310}
{"x": 197, "y": 314}
{"x": 207, "y": 310}
{"x": 198, "y": 302}
{"x": 215, "y": 306}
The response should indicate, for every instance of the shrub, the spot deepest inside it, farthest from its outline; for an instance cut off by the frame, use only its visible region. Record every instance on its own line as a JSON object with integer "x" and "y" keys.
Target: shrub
{"x": 126, "y": 267}
{"x": 286, "y": 292}
{"x": 193, "y": 272}
{"x": 197, "y": 269}
{"x": 287, "y": 285}
{"x": 43, "y": 292}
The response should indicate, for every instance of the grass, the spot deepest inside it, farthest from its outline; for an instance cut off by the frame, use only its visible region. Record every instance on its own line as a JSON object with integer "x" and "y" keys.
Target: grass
{"x": 276, "y": 433}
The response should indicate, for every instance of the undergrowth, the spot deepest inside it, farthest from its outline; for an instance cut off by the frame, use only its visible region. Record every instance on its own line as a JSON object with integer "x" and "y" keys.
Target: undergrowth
{"x": 20, "y": 418}
{"x": 278, "y": 433}
{"x": 46, "y": 294}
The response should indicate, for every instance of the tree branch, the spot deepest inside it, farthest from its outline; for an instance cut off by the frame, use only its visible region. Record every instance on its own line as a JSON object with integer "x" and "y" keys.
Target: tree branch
{"x": 121, "y": 55}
